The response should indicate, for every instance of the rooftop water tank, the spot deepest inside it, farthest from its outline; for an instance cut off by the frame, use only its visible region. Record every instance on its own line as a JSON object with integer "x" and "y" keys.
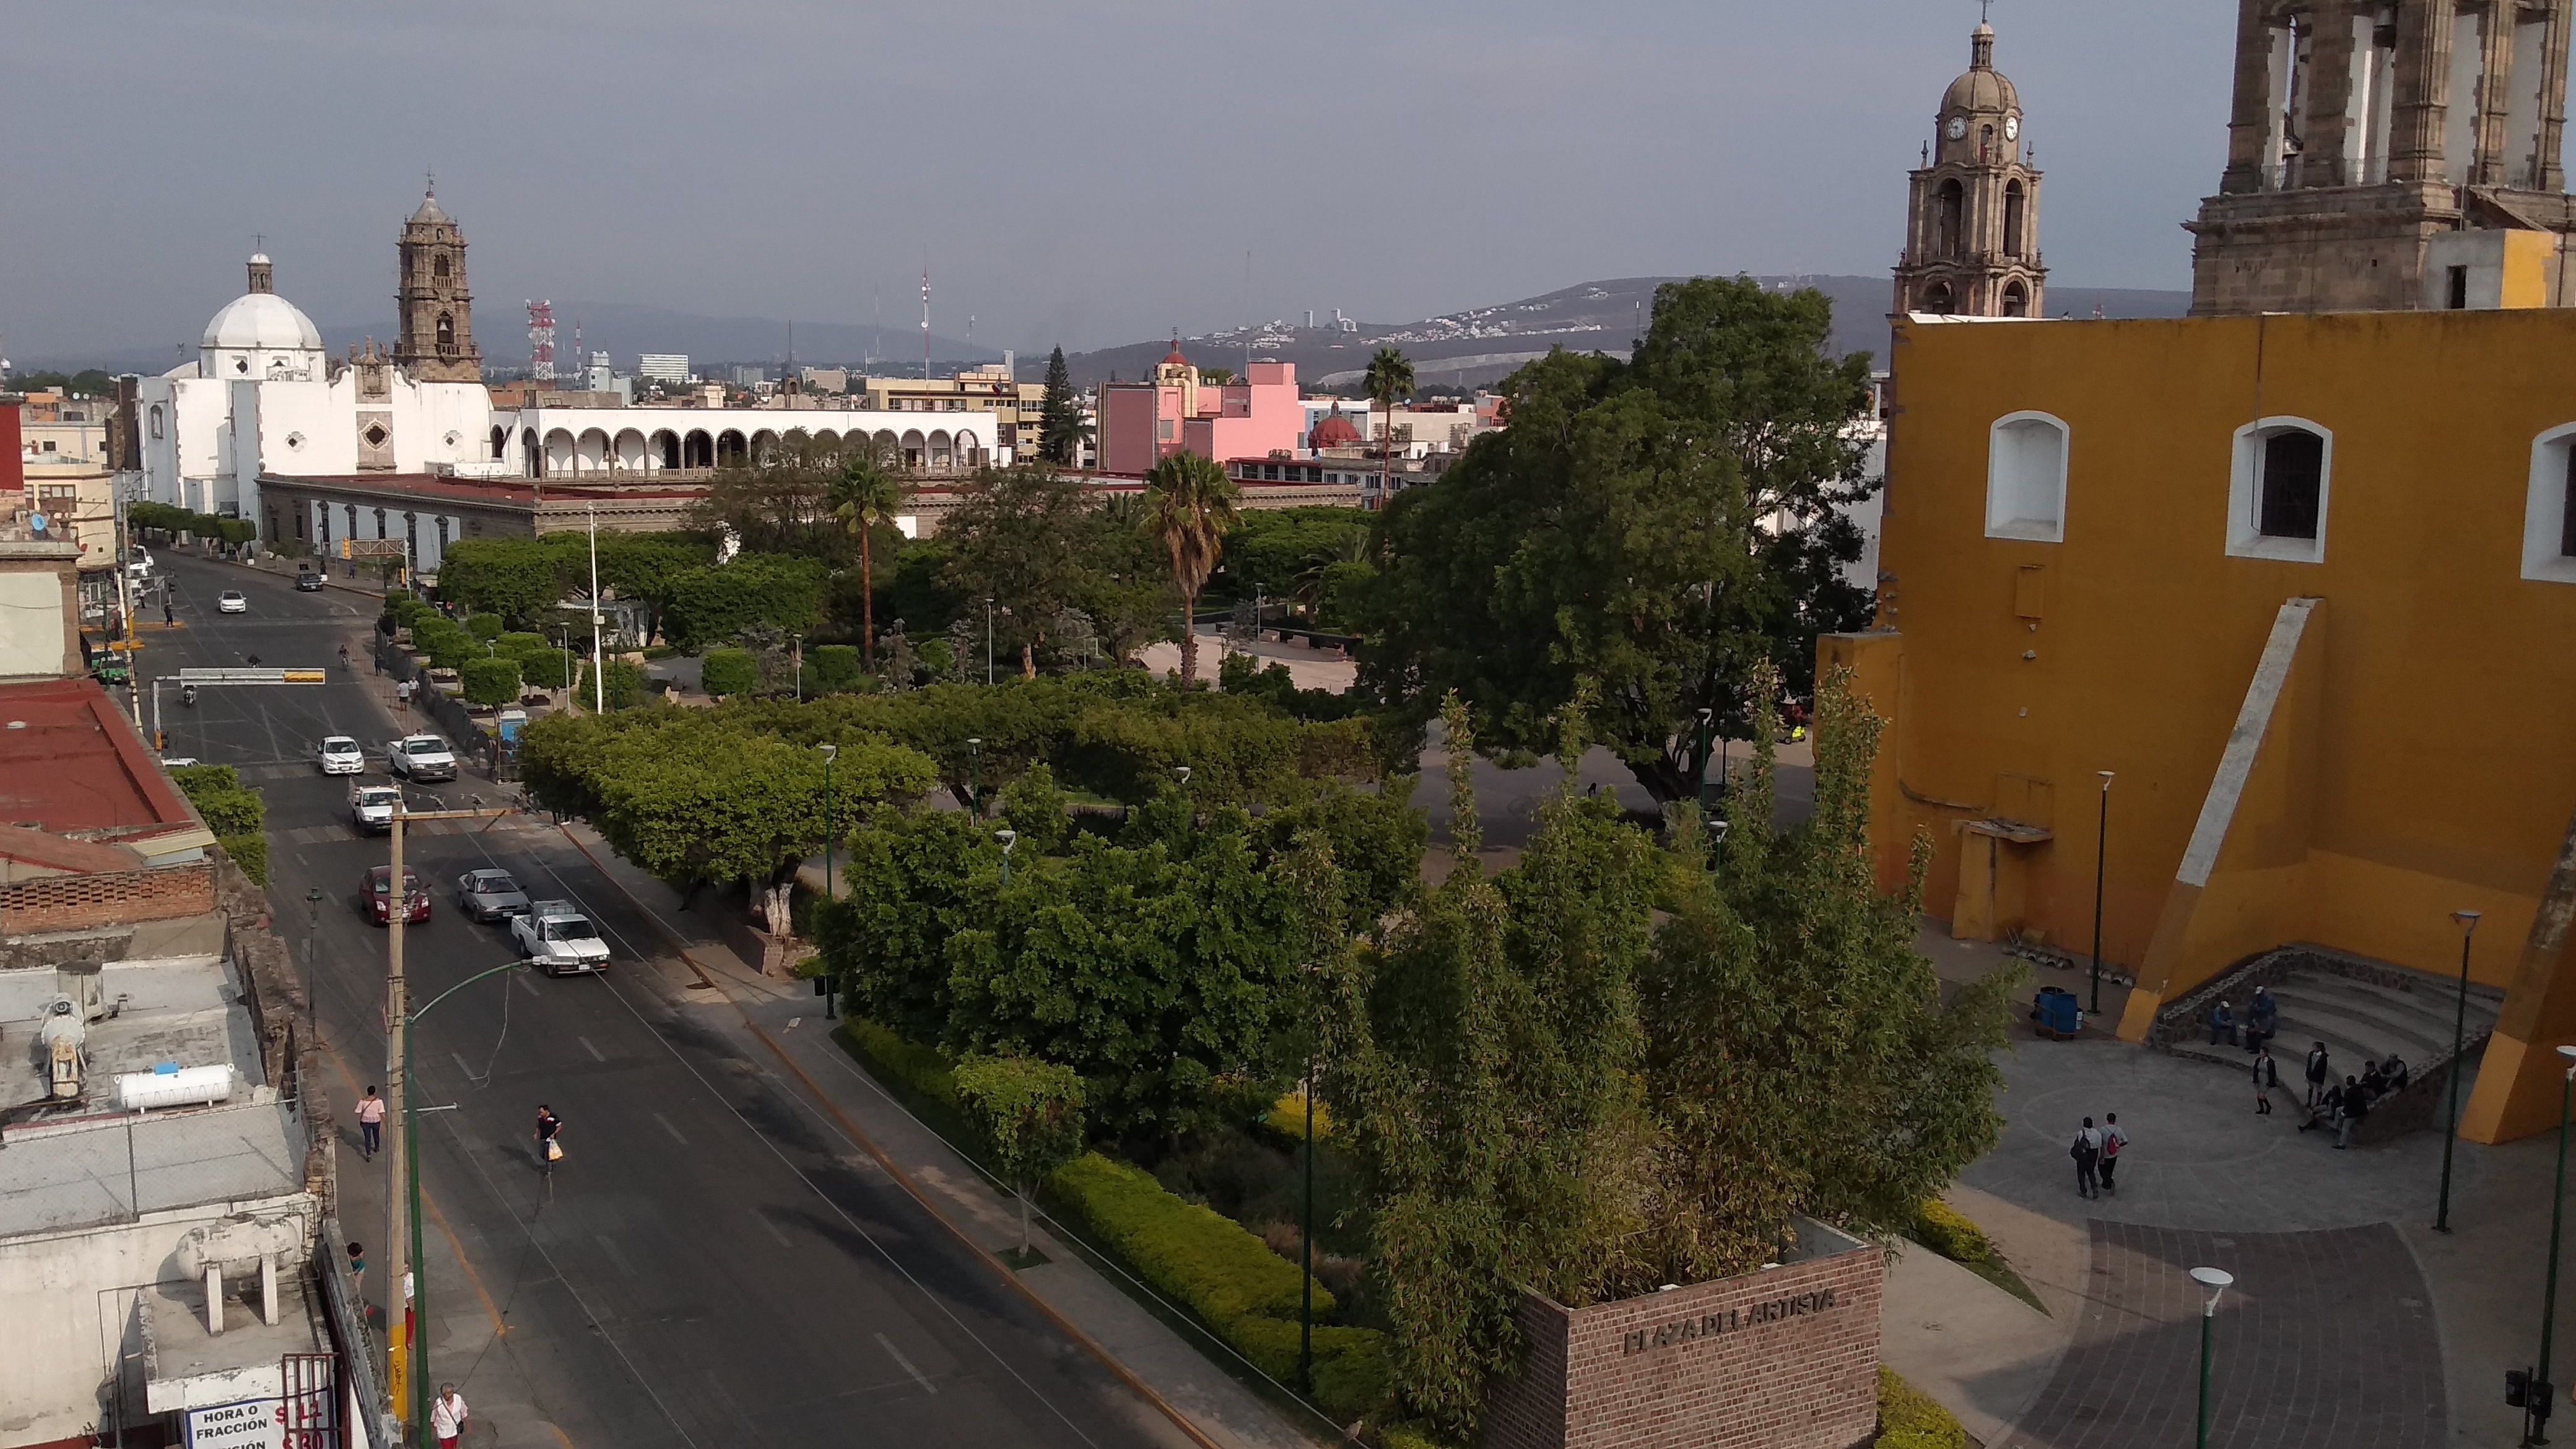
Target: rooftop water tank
{"x": 187, "y": 1087}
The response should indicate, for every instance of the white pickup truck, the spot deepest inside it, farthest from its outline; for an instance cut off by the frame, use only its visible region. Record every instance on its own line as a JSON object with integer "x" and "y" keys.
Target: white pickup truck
{"x": 559, "y": 939}
{"x": 420, "y": 757}
{"x": 371, "y": 807}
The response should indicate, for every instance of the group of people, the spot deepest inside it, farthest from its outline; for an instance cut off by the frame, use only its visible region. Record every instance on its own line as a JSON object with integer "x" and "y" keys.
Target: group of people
{"x": 2339, "y": 1106}
{"x": 2097, "y": 1156}
{"x": 2262, "y": 1022}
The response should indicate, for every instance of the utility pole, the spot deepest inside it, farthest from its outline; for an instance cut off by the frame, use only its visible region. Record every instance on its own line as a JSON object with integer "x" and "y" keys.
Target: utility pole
{"x": 598, "y": 661}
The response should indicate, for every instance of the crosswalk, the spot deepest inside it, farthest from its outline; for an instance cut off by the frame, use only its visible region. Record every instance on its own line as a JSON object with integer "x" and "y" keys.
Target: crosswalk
{"x": 506, "y": 825}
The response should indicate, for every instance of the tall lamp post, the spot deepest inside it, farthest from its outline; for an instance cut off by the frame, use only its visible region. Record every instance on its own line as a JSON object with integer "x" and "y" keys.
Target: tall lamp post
{"x": 2213, "y": 1281}
{"x": 2101, "y": 854}
{"x": 975, "y": 777}
{"x": 2537, "y": 1402}
{"x": 1008, "y": 838}
{"x": 988, "y": 641}
{"x": 2459, "y": 1036}
{"x": 1699, "y": 758}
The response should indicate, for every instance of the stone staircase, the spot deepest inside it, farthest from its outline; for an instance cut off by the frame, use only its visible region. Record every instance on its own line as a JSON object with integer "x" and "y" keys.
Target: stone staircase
{"x": 2361, "y": 1009}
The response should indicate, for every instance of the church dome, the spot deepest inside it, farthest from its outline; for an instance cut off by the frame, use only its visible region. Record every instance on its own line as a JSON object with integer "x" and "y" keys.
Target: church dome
{"x": 1983, "y": 88}
{"x": 261, "y": 322}
{"x": 1335, "y": 431}
{"x": 430, "y": 212}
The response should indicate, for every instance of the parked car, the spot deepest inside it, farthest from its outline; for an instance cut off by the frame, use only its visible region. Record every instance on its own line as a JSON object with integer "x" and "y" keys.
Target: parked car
{"x": 341, "y": 755}
{"x": 371, "y": 807}
{"x": 230, "y": 601}
{"x": 420, "y": 757}
{"x": 308, "y": 582}
{"x": 490, "y": 895}
{"x": 377, "y": 891}
{"x": 558, "y": 938}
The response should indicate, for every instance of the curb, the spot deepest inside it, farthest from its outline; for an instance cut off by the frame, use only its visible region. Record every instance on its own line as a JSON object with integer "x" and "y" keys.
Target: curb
{"x": 901, "y": 1178}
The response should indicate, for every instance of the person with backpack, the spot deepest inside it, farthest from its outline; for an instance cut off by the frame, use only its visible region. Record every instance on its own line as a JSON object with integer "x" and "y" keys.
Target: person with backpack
{"x": 2320, "y": 1075}
{"x": 2267, "y": 1075}
{"x": 2087, "y": 1152}
{"x": 2113, "y": 1139}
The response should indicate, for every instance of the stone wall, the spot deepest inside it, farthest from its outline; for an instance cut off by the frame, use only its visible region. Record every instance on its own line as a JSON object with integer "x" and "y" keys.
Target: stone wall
{"x": 1786, "y": 1358}
{"x": 106, "y": 898}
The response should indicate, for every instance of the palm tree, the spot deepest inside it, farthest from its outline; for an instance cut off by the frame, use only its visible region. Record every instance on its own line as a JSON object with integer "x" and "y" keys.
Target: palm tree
{"x": 1390, "y": 376}
{"x": 864, "y": 500}
{"x": 1189, "y": 506}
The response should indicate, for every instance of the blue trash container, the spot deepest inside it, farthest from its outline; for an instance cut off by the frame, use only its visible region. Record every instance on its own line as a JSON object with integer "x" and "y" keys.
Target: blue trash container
{"x": 2058, "y": 1011}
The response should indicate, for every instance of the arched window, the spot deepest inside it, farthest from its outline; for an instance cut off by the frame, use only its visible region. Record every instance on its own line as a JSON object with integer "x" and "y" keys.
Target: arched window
{"x": 1939, "y": 300}
{"x": 2013, "y": 211}
{"x": 2278, "y": 486}
{"x": 2549, "y": 512}
{"x": 156, "y": 420}
{"x": 1949, "y": 216}
{"x": 2026, "y": 478}
{"x": 2016, "y": 301}
{"x": 446, "y": 333}
{"x": 438, "y": 268}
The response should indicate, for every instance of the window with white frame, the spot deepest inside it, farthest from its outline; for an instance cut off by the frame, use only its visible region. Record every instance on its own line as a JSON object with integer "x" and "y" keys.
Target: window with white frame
{"x": 2549, "y": 513}
{"x": 2278, "y": 484}
{"x": 2026, "y": 478}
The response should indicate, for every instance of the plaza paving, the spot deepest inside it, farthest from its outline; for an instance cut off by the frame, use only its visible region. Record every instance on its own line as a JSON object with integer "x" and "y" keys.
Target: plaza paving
{"x": 2352, "y": 1323}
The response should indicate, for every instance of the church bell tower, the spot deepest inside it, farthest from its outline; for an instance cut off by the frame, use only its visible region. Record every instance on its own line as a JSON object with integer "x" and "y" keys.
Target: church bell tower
{"x": 1972, "y": 225}
{"x": 437, "y": 310}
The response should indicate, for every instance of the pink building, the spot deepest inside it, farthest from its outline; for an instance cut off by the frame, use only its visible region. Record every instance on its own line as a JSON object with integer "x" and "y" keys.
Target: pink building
{"x": 1142, "y": 423}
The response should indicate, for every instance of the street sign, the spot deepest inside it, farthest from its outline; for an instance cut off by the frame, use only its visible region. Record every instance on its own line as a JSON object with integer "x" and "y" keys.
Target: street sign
{"x": 250, "y": 676}
{"x": 374, "y": 548}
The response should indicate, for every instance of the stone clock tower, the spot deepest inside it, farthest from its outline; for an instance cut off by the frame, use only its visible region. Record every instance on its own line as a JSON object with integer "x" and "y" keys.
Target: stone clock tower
{"x": 437, "y": 310}
{"x": 1972, "y": 228}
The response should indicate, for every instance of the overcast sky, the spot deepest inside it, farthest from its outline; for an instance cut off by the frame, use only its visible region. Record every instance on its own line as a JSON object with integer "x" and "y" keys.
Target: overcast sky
{"x": 1082, "y": 172}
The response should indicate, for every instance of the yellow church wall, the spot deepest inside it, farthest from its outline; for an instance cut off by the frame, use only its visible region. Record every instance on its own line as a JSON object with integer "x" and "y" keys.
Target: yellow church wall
{"x": 2419, "y": 760}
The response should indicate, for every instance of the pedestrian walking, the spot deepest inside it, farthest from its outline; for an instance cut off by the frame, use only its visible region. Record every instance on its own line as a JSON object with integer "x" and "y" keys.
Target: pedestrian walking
{"x": 549, "y": 1149}
{"x": 2356, "y": 1106}
{"x": 402, "y": 694}
{"x": 357, "y": 1260}
{"x": 2113, "y": 1139}
{"x": 2087, "y": 1152}
{"x": 371, "y": 1124}
{"x": 448, "y": 1416}
{"x": 2267, "y": 1075}
{"x": 2320, "y": 1075}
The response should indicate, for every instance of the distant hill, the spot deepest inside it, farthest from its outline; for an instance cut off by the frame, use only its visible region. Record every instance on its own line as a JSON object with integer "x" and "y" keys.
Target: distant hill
{"x": 1484, "y": 344}
{"x": 623, "y": 330}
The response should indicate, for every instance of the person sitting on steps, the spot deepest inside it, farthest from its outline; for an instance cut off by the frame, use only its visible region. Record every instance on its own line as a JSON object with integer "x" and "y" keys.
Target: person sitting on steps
{"x": 2222, "y": 1025}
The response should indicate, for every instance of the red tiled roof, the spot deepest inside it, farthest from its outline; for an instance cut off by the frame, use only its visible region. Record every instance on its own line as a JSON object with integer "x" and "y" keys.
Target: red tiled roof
{"x": 70, "y": 761}
{"x": 72, "y": 857}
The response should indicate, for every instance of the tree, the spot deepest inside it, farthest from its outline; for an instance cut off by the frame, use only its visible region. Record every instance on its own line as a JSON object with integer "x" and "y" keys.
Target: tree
{"x": 865, "y": 500}
{"x": 1190, "y": 507}
{"x": 1016, "y": 537}
{"x": 1390, "y": 376}
{"x": 1060, "y": 427}
{"x": 1659, "y": 527}
{"x": 492, "y": 681}
{"x": 1029, "y": 1114}
{"x": 725, "y": 672}
{"x": 709, "y": 605}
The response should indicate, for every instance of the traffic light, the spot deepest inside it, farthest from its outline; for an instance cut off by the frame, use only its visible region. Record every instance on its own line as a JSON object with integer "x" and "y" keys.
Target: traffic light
{"x": 2517, "y": 1389}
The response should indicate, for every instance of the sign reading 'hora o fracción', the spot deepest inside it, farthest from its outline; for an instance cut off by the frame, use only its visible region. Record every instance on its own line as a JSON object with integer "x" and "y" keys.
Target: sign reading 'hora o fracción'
{"x": 1726, "y": 1320}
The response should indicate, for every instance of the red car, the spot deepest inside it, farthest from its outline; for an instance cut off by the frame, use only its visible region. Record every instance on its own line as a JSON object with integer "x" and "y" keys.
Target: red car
{"x": 377, "y": 891}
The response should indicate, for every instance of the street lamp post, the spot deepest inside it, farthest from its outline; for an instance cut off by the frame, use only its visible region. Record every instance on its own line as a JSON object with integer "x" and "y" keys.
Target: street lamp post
{"x": 988, "y": 641}
{"x": 2538, "y": 1403}
{"x": 797, "y": 643}
{"x": 2213, "y": 1281}
{"x": 1008, "y": 838}
{"x": 2468, "y": 921}
{"x": 831, "y": 988}
{"x": 1699, "y": 758}
{"x": 2101, "y": 854}
{"x": 975, "y": 777}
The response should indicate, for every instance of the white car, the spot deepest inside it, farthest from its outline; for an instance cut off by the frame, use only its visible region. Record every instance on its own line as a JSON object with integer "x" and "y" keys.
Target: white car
{"x": 556, "y": 937}
{"x": 341, "y": 755}
{"x": 230, "y": 601}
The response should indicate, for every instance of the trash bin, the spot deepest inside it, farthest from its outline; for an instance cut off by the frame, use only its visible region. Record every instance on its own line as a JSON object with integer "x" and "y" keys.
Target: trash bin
{"x": 2057, "y": 1011}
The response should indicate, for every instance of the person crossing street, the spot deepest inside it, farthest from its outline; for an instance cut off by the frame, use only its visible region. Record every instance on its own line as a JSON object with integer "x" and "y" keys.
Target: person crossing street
{"x": 371, "y": 1124}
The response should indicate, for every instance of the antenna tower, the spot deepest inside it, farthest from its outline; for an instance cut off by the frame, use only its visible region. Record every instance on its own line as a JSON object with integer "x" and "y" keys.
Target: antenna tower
{"x": 925, "y": 324}
{"x": 541, "y": 341}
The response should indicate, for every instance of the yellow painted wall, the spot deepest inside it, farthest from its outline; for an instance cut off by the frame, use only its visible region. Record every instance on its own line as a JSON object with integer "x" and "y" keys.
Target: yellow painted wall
{"x": 2433, "y": 768}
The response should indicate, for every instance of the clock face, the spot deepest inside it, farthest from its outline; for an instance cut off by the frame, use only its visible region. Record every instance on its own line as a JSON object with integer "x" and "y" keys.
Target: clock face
{"x": 2012, "y": 128}
{"x": 1958, "y": 128}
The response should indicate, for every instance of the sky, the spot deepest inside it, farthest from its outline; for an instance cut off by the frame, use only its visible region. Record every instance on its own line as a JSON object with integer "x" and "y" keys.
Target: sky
{"x": 1074, "y": 172}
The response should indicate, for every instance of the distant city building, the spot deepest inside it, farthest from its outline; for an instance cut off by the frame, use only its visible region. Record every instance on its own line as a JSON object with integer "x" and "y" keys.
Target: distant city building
{"x": 826, "y": 379}
{"x": 1142, "y": 423}
{"x": 663, "y": 366}
{"x": 1017, "y": 406}
{"x": 748, "y": 376}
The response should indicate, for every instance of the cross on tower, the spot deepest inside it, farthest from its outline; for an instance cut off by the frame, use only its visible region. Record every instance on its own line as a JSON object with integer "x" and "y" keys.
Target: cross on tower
{"x": 431, "y": 175}
{"x": 259, "y": 241}
{"x": 1985, "y": 11}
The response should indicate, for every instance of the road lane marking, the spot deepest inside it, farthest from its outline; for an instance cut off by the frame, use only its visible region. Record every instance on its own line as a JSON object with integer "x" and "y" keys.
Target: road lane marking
{"x": 674, "y": 1131}
{"x": 459, "y": 1058}
{"x": 896, "y": 1354}
{"x": 614, "y": 1256}
{"x": 586, "y": 1046}
{"x": 773, "y": 1229}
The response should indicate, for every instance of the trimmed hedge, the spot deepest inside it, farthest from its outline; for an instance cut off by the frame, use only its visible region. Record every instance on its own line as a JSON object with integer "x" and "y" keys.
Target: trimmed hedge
{"x": 1245, "y": 1293}
{"x": 1946, "y": 1231}
{"x": 492, "y": 682}
{"x": 919, "y": 1067}
{"x": 831, "y": 668}
{"x": 486, "y": 627}
{"x": 624, "y": 688}
{"x": 731, "y": 671}
{"x": 1908, "y": 1420}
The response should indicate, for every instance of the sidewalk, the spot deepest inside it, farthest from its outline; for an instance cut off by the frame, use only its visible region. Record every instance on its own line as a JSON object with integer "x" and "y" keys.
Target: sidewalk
{"x": 783, "y": 1021}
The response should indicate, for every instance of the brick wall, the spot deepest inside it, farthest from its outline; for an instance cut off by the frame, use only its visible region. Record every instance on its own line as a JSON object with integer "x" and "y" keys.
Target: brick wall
{"x": 107, "y": 898}
{"x": 1785, "y": 1359}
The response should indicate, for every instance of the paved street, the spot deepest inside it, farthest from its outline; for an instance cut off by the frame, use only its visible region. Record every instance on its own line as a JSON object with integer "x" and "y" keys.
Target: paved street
{"x": 706, "y": 1267}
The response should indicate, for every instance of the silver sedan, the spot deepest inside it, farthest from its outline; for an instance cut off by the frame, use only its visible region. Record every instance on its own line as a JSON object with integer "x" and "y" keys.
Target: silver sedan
{"x": 490, "y": 895}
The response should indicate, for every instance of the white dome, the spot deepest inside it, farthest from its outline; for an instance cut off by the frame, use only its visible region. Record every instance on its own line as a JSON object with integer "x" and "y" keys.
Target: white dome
{"x": 262, "y": 322}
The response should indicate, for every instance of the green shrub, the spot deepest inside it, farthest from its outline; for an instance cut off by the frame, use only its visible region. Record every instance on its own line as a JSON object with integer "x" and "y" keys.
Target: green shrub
{"x": 831, "y": 668}
{"x": 1944, "y": 1230}
{"x": 1908, "y": 1420}
{"x": 217, "y": 792}
{"x": 250, "y": 852}
{"x": 625, "y": 685}
{"x": 731, "y": 671}
{"x": 919, "y": 1067}
{"x": 1245, "y": 1293}
{"x": 1409, "y": 1439}
{"x": 493, "y": 682}
{"x": 937, "y": 657}
{"x": 523, "y": 646}
{"x": 486, "y": 627}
